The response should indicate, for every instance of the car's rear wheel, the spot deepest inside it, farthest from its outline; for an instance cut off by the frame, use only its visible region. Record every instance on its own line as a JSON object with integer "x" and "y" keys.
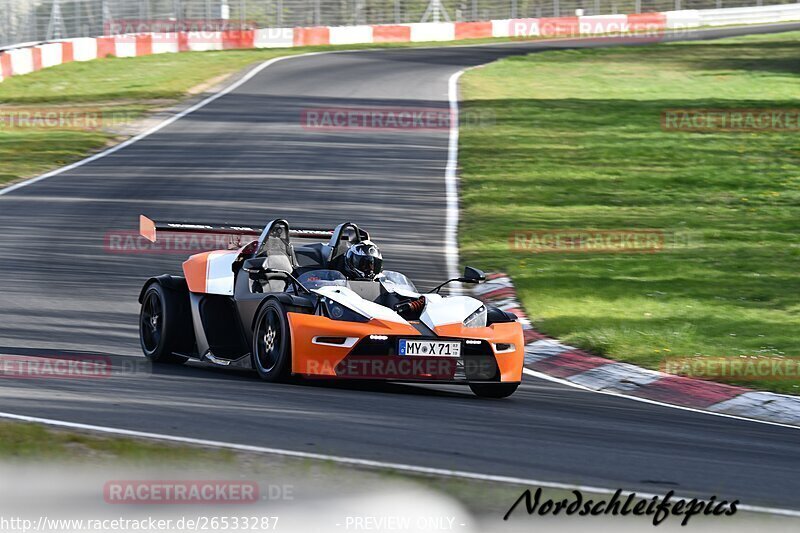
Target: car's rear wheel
{"x": 162, "y": 329}
{"x": 272, "y": 347}
{"x": 493, "y": 390}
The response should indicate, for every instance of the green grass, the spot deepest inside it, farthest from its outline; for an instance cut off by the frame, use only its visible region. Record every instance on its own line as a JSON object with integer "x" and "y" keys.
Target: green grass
{"x": 22, "y": 442}
{"x": 129, "y": 87}
{"x": 132, "y": 87}
{"x": 125, "y": 87}
{"x": 577, "y": 143}
{"x": 33, "y": 444}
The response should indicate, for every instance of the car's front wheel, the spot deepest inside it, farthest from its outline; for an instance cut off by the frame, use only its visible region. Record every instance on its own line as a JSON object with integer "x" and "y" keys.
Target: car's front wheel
{"x": 272, "y": 347}
{"x": 493, "y": 390}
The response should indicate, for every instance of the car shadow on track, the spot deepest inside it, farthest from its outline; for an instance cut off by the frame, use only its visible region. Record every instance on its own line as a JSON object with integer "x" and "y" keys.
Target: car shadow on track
{"x": 27, "y": 363}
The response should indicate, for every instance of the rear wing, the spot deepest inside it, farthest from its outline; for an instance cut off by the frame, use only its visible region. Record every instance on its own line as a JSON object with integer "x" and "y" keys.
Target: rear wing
{"x": 149, "y": 229}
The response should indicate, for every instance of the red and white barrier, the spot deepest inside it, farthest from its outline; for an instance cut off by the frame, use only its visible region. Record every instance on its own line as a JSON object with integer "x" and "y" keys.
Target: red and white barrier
{"x": 29, "y": 59}
{"x": 350, "y": 35}
{"x": 166, "y": 43}
{"x": 84, "y": 49}
{"x": 473, "y": 30}
{"x": 274, "y": 38}
{"x": 432, "y": 31}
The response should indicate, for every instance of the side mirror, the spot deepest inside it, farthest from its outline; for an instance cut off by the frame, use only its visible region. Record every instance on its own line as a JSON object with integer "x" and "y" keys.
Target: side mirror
{"x": 472, "y": 275}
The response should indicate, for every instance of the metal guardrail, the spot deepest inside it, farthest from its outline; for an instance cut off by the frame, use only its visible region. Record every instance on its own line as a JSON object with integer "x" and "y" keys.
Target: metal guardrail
{"x": 41, "y": 20}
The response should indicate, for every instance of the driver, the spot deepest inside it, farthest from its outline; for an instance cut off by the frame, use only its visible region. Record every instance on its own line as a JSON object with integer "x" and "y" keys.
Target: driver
{"x": 362, "y": 262}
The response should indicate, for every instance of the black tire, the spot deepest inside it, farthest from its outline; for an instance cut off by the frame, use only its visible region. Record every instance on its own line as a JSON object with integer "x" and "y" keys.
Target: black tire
{"x": 162, "y": 325}
{"x": 493, "y": 390}
{"x": 272, "y": 344}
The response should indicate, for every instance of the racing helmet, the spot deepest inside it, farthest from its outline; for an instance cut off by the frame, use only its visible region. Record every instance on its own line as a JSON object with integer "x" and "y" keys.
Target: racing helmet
{"x": 363, "y": 261}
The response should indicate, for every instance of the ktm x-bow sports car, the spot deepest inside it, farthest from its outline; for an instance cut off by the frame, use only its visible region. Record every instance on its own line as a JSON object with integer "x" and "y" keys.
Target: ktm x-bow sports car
{"x": 287, "y": 309}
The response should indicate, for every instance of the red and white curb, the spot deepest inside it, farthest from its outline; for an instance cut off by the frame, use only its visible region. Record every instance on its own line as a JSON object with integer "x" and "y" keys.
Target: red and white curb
{"x": 24, "y": 59}
{"x": 571, "y": 365}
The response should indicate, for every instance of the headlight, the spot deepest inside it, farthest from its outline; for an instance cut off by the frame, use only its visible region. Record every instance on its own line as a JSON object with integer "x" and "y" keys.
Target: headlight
{"x": 476, "y": 319}
{"x": 337, "y": 311}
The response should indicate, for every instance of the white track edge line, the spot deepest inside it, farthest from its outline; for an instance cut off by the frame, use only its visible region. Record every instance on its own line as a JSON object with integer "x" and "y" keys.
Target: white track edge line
{"x": 546, "y": 377}
{"x": 411, "y": 469}
{"x": 451, "y": 183}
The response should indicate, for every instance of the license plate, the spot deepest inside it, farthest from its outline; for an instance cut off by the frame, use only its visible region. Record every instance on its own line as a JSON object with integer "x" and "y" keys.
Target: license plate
{"x": 430, "y": 348}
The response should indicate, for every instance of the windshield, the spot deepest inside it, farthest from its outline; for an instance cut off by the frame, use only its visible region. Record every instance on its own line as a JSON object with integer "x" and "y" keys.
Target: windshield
{"x": 395, "y": 280}
{"x": 322, "y": 278}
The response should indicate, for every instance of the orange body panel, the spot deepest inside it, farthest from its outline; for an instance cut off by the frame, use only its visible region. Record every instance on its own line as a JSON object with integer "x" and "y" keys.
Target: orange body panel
{"x": 314, "y": 360}
{"x": 510, "y": 364}
{"x": 195, "y": 269}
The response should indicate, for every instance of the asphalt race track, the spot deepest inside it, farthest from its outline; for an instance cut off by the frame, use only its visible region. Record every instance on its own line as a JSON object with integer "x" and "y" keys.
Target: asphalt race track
{"x": 246, "y": 159}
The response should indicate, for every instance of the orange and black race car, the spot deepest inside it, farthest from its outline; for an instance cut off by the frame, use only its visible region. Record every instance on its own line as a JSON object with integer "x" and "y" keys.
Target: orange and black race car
{"x": 286, "y": 309}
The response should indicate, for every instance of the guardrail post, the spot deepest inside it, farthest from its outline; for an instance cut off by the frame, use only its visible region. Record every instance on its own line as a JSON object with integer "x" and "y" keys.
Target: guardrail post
{"x": 55, "y": 29}
{"x": 178, "y": 9}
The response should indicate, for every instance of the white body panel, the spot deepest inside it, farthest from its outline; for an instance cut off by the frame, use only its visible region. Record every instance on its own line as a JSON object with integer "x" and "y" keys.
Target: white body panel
{"x": 453, "y": 310}
{"x": 348, "y": 298}
{"x": 219, "y": 273}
